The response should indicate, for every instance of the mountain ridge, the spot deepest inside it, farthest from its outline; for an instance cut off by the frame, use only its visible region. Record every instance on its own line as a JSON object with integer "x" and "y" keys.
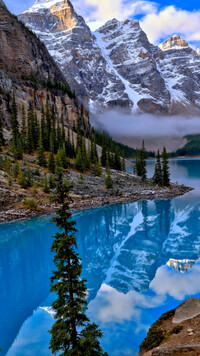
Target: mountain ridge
{"x": 27, "y": 68}
{"x": 117, "y": 66}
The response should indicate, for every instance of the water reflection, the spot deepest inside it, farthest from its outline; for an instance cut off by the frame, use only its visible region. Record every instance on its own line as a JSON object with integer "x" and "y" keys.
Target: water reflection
{"x": 125, "y": 251}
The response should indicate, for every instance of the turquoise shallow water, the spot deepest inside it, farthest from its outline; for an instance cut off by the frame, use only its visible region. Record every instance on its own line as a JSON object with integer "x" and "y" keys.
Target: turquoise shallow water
{"x": 140, "y": 260}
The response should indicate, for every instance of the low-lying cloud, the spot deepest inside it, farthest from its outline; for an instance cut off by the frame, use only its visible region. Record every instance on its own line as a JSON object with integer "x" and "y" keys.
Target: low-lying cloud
{"x": 144, "y": 126}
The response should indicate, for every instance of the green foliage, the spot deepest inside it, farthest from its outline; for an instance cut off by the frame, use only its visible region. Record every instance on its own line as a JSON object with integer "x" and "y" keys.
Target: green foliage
{"x": 158, "y": 174}
{"x": 104, "y": 150}
{"x": 153, "y": 339}
{"x": 109, "y": 182}
{"x": 41, "y": 158}
{"x": 140, "y": 166}
{"x": 191, "y": 148}
{"x": 165, "y": 169}
{"x": 31, "y": 204}
{"x": 10, "y": 182}
{"x": 61, "y": 158}
{"x": 23, "y": 132}
{"x": 97, "y": 169}
{"x": 21, "y": 179}
{"x": 156, "y": 336}
{"x": 16, "y": 169}
{"x": 2, "y": 141}
{"x": 14, "y": 121}
{"x": 71, "y": 334}
{"x": 7, "y": 165}
{"x": 46, "y": 187}
{"x": 52, "y": 183}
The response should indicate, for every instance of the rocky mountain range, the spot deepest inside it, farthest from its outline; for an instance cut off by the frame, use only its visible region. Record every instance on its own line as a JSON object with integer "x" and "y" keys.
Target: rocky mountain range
{"x": 117, "y": 66}
{"x": 27, "y": 68}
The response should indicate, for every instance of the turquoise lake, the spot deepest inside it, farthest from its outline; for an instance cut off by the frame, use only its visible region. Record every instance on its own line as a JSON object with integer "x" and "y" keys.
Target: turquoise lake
{"x": 140, "y": 259}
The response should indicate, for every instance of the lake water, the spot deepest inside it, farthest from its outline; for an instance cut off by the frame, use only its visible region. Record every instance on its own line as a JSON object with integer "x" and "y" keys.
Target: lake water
{"x": 140, "y": 259}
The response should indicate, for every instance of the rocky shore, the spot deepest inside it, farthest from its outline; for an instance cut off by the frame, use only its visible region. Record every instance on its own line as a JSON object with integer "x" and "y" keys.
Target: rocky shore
{"x": 175, "y": 333}
{"x": 88, "y": 191}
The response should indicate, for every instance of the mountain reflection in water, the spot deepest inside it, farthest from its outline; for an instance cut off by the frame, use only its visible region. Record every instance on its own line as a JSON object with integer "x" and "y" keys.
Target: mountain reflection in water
{"x": 132, "y": 258}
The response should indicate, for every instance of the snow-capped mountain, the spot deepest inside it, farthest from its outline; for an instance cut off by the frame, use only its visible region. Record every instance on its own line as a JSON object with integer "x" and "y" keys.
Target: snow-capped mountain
{"x": 117, "y": 65}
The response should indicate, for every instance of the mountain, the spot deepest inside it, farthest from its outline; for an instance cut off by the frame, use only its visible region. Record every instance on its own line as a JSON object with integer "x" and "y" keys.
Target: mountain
{"x": 174, "y": 42}
{"x": 27, "y": 68}
{"x": 117, "y": 66}
{"x": 73, "y": 46}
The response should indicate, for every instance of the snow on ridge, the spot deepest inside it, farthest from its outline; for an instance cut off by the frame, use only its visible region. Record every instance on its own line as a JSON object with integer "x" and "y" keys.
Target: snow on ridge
{"x": 44, "y": 4}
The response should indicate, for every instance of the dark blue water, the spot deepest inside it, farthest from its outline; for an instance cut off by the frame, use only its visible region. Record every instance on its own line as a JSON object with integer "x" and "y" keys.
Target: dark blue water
{"x": 140, "y": 259}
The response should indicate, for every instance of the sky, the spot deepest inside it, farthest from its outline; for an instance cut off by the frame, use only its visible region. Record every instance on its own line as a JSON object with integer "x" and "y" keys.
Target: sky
{"x": 159, "y": 19}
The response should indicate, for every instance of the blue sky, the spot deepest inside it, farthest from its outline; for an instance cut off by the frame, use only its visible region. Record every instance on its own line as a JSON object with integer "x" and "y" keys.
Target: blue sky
{"x": 159, "y": 19}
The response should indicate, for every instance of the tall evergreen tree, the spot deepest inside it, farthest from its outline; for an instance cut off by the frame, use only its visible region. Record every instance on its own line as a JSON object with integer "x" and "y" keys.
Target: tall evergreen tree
{"x": 72, "y": 333}
{"x": 51, "y": 162}
{"x": 2, "y": 141}
{"x": 47, "y": 125}
{"x": 104, "y": 150}
{"x": 24, "y": 129}
{"x": 41, "y": 158}
{"x": 14, "y": 122}
{"x": 30, "y": 135}
{"x": 165, "y": 168}
{"x": 43, "y": 128}
{"x": 143, "y": 162}
{"x": 158, "y": 177}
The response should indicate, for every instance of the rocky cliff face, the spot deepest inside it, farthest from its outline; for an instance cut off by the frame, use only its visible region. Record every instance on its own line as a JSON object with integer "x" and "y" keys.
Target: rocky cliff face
{"x": 73, "y": 46}
{"x": 117, "y": 66}
{"x": 174, "y": 42}
{"x": 26, "y": 67}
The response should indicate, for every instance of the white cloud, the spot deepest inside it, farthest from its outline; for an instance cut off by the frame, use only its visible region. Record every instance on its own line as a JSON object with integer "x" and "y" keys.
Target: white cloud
{"x": 98, "y": 12}
{"x": 158, "y": 23}
{"x": 177, "y": 285}
{"x": 170, "y": 20}
{"x": 108, "y": 306}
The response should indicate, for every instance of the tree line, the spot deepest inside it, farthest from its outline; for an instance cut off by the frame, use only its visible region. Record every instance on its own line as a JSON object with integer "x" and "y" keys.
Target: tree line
{"x": 49, "y": 135}
{"x": 161, "y": 175}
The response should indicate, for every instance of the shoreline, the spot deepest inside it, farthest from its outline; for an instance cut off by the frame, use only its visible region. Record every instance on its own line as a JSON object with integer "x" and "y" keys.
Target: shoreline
{"x": 86, "y": 203}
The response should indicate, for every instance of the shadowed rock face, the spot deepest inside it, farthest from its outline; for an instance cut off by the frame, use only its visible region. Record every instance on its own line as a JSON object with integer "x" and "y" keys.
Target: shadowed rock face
{"x": 117, "y": 66}
{"x": 25, "y": 66}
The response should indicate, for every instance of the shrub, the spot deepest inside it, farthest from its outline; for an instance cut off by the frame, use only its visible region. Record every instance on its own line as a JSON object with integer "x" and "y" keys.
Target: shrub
{"x": 31, "y": 204}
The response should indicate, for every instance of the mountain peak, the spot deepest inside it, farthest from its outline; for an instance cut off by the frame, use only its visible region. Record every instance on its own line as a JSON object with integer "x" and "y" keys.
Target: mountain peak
{"x": 47, "y": 4}
{"x": 174, "y": 42}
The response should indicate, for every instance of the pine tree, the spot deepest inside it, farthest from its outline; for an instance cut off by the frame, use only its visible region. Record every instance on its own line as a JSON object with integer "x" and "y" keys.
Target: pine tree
{"x": 72, "y": 333}
{"x": 18, "y": 150}
{"x": 117, "y": 160}
{"x": 79, "y": 162}
{"x": 123, "y": 164}
{"x": 165, "y": 169}
{"x": 43, "y": 129}
{"x": 109, "y": 182}
{"x": 24, "y": 129}
{"x": 61, "y": 158}
{"x": 36, "y": 132}
{"x": 97, "y": 169}
{"x": 46, "y": 185}
{"x": 21, "y": 179}
{"x": 51, "y": 162}
{"x": 157, "y": 178}
{"x": 142, "y": 163}
{"x": 47, "y": 126}
{"x": 104, "y": 150}
{"x": 14, "y": 122}
{"x": 16, "y": 169}
{"x": 30, "y": 135}
{"x": 2, "y": 141}
{"x": 41, "y": 158}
